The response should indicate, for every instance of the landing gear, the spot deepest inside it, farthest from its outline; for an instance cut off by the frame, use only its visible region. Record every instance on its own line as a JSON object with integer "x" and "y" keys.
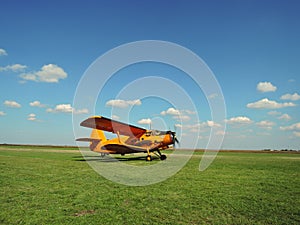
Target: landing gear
{"x": 163, "y": 157}
{"x": 148, "y": 158}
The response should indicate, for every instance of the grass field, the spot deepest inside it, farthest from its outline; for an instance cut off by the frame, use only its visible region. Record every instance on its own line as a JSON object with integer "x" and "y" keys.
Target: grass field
{"x": 56, "y": 186}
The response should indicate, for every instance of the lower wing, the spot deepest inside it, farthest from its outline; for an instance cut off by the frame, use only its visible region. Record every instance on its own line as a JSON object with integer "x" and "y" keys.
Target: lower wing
{"x": 124, "y": 148}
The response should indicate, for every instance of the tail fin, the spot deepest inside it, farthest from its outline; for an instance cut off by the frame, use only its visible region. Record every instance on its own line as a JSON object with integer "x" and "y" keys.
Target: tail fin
{"x": 98, "y": 135}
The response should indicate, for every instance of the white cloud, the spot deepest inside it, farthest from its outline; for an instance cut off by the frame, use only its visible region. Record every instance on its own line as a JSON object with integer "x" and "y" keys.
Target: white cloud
{"x": 274, "y": 113}
{"x": 119, "y": 103}
{"x": 191, "y": 127}
{"x": 29, "y": 76}
{"x": 37, "y": 104}
{"x": 194, "y": 130}
{"x": 199, "y": 127}
{"x": 62, "y": 108}
{"x": 201, "y": 137}
{"x": 2, "y": 113}
{"x": 293, "y": 127}
{"x": 12, "y": 104}
{"x": 66, "y": 108}
{"x": 178, "y": 125}
{"x": 221, "y": 132}
{"x": 239, "y": 120}
{"x": 115, "y": 117}
{"x": 50, "y": 73}
{"x": 296, "y": 133}
{"x": 2, "y": 52}
{"x": 281, "y": 116}
{"x": 265, "y": 124}
{"x": 170, "y": 111}
{"x": 211, "y": 123}
{"x": 212, "y": 96}
{"x": 292, "y": 97}
{"x": 190, "y": 112}
{"x": 31, "y": 117}
{"x": 181, "y": 117}
{"x": 285, "y": 117}
{"x": 13, "y": 68}
{"x": 266, "y": 87}
{"x": 269, "y": 104}
{"x": 145, "y": 121}
{"x": 80, "y": 111}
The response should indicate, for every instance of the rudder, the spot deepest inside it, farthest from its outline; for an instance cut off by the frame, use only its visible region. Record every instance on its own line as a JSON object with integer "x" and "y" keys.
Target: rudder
{"x": 98, "y": 134}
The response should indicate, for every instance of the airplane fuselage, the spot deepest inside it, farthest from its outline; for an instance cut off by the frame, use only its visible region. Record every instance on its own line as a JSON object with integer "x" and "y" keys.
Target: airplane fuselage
{"x": 153, "y": 140}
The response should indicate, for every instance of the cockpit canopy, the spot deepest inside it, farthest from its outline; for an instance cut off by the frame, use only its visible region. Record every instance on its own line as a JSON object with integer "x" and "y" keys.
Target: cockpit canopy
{"x": 155, "y": 133}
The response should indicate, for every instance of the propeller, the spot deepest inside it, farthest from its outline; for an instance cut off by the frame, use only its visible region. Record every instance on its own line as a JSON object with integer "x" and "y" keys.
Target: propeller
{"x": 174, "y": 138}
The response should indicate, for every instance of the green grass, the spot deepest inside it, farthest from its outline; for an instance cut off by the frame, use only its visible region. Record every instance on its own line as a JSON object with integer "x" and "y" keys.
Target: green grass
{"x": 42, "y": 186}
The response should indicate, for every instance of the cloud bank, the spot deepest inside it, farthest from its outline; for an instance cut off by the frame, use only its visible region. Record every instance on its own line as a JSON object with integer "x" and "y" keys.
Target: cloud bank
{"x": 265, "y": 103}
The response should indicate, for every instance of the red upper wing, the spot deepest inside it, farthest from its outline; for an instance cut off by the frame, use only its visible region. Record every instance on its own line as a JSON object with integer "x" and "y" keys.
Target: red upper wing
{"x": 106, "y": 124}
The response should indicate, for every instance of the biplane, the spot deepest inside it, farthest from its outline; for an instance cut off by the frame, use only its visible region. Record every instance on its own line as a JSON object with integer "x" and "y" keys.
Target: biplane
{"x": 130, "y": 138}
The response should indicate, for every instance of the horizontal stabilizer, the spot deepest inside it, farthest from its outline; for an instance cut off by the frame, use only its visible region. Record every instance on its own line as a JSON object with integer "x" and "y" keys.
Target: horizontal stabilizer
{"x": 88, "y": 139}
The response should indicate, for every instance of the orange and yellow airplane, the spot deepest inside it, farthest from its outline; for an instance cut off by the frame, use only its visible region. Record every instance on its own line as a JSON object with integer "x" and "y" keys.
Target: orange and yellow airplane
{"x": 130, "y": 139}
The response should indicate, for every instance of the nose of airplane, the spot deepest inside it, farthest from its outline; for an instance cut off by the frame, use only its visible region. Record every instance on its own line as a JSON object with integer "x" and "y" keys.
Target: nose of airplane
{"x": 168, "y": 139}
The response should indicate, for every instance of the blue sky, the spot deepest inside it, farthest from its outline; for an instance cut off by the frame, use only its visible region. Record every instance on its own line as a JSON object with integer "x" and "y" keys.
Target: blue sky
{"x": 252, "y": 47}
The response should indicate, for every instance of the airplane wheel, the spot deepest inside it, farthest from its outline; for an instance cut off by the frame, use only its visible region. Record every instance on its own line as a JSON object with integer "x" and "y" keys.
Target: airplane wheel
{"x": 163, "y": 157}
{"x": 149, "y": 158}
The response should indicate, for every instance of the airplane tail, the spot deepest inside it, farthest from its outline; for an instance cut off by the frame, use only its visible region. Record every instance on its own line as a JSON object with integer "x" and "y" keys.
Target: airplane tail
{"x": 98, "y": 135}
